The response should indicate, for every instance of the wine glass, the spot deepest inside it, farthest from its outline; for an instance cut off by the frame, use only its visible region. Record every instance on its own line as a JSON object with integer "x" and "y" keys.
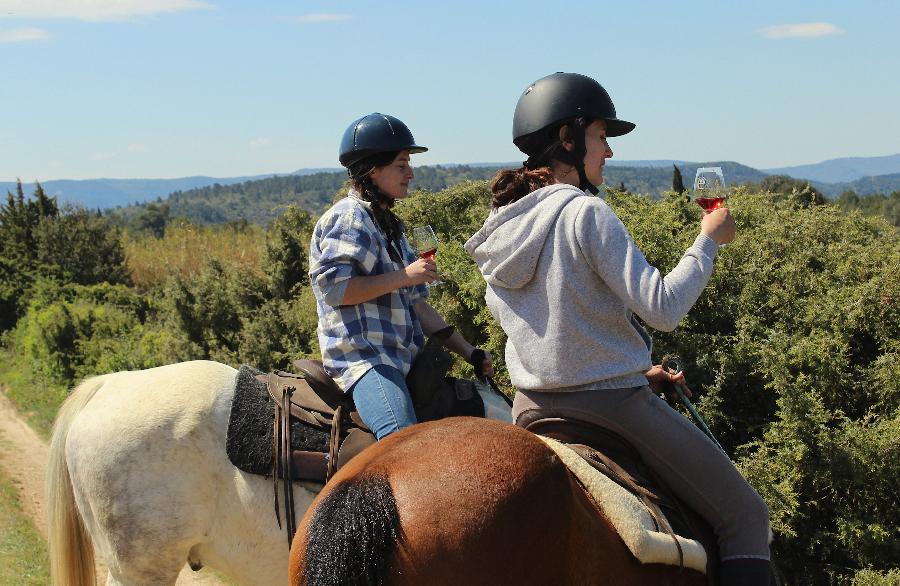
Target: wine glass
{"x": 709, "y": 188}
{"x": 425, "y": 243}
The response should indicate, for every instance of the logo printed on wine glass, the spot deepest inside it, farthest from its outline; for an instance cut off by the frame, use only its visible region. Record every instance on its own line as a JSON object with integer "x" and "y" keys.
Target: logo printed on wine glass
{"x": 709, "y": 184}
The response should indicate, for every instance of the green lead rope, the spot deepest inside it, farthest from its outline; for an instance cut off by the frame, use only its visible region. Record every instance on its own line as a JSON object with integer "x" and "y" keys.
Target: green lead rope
{"x": 672, "y": 365}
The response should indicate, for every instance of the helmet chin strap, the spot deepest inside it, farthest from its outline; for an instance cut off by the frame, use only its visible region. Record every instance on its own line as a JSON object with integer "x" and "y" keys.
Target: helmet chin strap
{"x": 576, "y": 157}
{"x": 585, "y": 184}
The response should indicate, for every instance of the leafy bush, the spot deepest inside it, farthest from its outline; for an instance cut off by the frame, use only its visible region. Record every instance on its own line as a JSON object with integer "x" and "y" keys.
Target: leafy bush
{"x": 62, "y": 331}
{"x": 874, "y": 578}
{"x": 281, "y": 331}
{"x": 793, "y": 347}
{"x": 79, "y": 246}
{"x": 286, "y": 257}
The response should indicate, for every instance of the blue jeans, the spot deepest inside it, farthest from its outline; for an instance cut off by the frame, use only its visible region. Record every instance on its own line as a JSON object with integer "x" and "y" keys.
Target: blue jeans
{"x": 383, "y": 400}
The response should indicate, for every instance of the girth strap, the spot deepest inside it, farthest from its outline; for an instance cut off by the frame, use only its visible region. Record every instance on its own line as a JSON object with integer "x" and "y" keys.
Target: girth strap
{"x": 282, "y": 463}
{"x": 333, "y": 444}
{"x": 321, "y": 407}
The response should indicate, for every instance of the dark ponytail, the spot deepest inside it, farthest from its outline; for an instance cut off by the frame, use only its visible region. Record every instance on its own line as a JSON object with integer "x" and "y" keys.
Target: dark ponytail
{"x": 542, "y": 147}
{"x": 510, "y": 185}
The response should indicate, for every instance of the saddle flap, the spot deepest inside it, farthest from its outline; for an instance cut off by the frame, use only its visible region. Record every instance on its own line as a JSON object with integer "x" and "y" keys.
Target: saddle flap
{"x": 320, "y": 382}
{"x": 308, "y": 465}
{"x": 303, "y": 396}
{"x": 357, "y": 440}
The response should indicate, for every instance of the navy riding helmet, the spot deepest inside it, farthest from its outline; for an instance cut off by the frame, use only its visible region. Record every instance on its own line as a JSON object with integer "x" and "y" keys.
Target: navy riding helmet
{"x": 376, "y": 133}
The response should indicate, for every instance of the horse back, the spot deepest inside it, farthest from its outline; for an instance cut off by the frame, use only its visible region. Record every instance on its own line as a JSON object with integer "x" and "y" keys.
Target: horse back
{"x": 482, "y": 502}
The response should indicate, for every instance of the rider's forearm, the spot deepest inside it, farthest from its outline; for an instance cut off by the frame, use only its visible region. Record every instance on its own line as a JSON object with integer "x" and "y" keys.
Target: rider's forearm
{"x": 366, "y": 288}
{"x": 432, "y": 321}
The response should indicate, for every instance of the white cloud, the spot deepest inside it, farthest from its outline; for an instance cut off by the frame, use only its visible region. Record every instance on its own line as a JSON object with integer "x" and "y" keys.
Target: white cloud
{"x": 809, "y": 30}
{"x": 137, "y": 148}
{"x": 22, "y": 35}
{"x": 321, "y": 17}
{"x": 93, "y": 10}
{"x": 260, "y": 143}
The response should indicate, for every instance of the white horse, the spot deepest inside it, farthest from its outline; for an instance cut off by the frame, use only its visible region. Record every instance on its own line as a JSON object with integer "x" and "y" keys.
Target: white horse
{"x": 138, "y": 471}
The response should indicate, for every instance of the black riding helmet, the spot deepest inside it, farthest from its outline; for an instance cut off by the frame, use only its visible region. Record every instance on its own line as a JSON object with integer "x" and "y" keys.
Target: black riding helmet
{"x": 556, "y": 100}
{"x": 375, "y": 133}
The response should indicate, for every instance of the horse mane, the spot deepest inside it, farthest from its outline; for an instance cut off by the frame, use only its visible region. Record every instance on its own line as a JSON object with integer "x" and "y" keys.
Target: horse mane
{"x": 352, "y": 534}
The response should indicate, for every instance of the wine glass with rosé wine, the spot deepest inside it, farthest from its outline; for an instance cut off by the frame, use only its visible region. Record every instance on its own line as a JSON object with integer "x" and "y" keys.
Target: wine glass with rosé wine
{"x": 709, "y": 188}
{"x": 425, "y": 243}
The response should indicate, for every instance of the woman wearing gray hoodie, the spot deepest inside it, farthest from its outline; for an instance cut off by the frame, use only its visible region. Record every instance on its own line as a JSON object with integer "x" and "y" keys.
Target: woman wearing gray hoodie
{"x": 565, "y": 280}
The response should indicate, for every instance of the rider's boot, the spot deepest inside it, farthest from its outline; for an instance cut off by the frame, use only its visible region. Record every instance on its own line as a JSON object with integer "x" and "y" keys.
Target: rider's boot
{"x": 745, "y": 572}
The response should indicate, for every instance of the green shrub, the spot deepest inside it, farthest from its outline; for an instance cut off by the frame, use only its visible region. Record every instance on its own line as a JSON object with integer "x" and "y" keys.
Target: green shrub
{"x": 875, "y": 578}
{"x": 63, "y": 332}
{"x": 279, "y": 332}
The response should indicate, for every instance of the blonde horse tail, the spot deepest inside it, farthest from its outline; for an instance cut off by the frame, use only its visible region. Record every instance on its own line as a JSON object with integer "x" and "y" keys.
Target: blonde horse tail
{"x": 71, "y": 550}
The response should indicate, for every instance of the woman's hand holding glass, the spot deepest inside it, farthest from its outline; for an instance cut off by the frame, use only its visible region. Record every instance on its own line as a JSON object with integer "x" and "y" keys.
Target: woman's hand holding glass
{"x": 709, "y": 194}
{"x": 421, "y": 271}
{"x": 719, "y": 225}
{"x": 425, "y": 243}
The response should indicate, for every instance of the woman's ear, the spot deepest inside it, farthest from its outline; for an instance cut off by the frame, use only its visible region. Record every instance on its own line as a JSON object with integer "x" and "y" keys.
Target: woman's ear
{"x": 565, "y": 137}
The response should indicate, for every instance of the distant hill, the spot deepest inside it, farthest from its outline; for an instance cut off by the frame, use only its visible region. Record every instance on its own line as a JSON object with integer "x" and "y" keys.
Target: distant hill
{"x": 842, "y": 170}
{"x": 885, "y": 184}
{"x": 648, "y": 163}
{"x": 655, "y": 180}
{"x": 261, "y": 200}
{"x": 649, "y": 176}
{"x": 109, "y": 193}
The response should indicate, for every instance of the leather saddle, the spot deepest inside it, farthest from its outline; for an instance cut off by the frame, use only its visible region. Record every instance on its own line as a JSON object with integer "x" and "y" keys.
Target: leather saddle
{"x": 616, "y": 458}
{"x": 310, "y": 397}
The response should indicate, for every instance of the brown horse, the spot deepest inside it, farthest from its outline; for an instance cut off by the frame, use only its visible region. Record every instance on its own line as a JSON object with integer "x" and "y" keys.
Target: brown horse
{"x": 463, "y": 501}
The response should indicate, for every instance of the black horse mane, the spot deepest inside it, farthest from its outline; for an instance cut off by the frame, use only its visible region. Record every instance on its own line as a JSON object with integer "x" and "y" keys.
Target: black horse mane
{"x": 352, "y": 534}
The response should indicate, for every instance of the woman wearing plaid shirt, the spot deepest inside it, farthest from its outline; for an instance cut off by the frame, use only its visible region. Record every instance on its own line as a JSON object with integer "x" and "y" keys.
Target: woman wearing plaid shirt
{"x": 369, "y": 284}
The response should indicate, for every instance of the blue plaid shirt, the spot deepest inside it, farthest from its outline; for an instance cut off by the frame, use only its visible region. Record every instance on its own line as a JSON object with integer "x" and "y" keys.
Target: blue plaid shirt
{"x": 347, "y": 243}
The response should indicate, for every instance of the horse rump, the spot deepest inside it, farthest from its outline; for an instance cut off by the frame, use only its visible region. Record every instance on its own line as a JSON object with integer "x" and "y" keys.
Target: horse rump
{"x": 351, "y": 534}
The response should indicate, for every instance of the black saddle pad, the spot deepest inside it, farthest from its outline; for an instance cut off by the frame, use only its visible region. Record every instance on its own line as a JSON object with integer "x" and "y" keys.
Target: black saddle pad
{"x": 250, "y": 442}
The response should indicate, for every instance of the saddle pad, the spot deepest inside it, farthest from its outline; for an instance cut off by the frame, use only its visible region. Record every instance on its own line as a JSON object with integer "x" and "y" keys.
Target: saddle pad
{"x": 629, "y": 516}
{"x": 250, "y": 442}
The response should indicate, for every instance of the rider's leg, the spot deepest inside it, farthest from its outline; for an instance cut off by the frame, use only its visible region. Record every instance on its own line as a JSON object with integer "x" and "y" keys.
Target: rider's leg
{"x": 745, "y": 572}
{"x": 383, "y": 400}
{"x": 685, "y": 459}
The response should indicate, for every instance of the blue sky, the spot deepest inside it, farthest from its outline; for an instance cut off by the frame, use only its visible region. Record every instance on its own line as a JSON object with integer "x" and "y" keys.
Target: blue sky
{"x": 169, "y": 88}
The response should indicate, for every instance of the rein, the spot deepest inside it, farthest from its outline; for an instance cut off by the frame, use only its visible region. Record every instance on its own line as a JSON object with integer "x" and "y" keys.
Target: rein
{"x": 671, "y": 363}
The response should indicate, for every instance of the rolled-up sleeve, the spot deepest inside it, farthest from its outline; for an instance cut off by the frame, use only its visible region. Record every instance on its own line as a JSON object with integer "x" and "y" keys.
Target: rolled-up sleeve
{"x": 341, "y": 248}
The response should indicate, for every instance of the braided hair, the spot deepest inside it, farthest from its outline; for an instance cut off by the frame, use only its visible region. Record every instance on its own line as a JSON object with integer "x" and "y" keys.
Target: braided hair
{"x": 387, "y": 221}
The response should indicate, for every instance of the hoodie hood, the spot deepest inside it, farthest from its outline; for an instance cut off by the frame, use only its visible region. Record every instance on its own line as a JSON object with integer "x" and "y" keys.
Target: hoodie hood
{"x": 507, "y": 248}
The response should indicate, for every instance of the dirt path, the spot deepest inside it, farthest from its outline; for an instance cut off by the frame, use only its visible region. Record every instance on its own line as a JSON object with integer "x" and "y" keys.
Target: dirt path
{"x": 23, "y": 459}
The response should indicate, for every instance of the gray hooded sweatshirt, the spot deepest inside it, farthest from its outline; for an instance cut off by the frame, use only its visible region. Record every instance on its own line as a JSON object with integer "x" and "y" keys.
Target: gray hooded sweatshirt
{"x": 564, "y": 280}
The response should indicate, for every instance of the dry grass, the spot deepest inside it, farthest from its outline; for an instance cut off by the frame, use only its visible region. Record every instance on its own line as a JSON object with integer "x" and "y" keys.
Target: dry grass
{"x": 185, "y": 249}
